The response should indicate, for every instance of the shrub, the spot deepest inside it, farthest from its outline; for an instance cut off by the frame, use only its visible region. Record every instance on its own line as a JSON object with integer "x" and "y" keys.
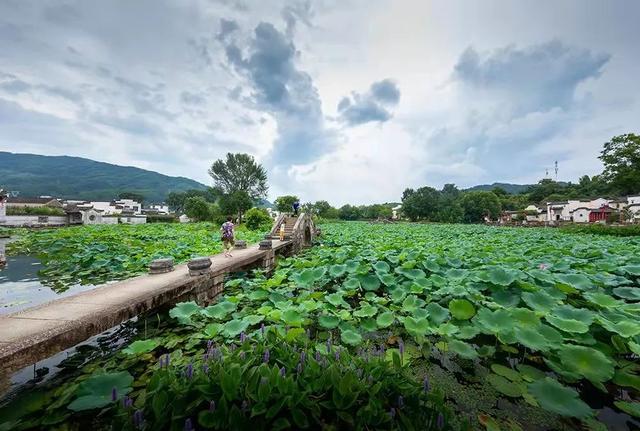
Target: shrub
{"x": 196, "y": 208}
{"x": 42, "y": 211}
{"x": 162, "y": 218}
{"x": 602, "y": 229}
{"x": 258, "y": 219}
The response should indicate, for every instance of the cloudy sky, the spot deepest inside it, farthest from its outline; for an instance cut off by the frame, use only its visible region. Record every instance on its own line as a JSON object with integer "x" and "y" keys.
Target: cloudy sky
{"x": 343, "y": 100}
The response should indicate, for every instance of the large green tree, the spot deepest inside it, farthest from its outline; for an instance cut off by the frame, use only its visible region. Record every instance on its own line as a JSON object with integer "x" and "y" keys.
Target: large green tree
{"x": 621, "y": 159}
{"x": 176, "y": 200}
{"x": 240, "y": 172}
{"x": 478, "y": 204}
{"x": 196, "y": 208}
{"x": 421, "y": 203}
{"x": 236, "y": 202}
{"x": 285, "y": 203}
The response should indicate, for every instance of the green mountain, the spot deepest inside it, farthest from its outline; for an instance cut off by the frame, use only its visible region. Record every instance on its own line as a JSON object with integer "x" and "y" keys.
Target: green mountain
{"x": 78, "y": 178}
{"x": 512, "y": 189}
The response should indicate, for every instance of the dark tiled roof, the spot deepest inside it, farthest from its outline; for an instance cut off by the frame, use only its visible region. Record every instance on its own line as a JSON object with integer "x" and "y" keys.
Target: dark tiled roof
{"x": 42, "y": 201}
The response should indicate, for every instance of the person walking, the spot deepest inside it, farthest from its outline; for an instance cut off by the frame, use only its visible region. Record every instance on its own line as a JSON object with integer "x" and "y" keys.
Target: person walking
{"x": 227, "y": 235}
{"x": 296, "y": 206}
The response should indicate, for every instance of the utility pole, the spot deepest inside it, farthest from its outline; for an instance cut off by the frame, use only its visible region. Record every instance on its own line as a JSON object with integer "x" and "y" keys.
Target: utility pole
{"x": 556, "y": 168}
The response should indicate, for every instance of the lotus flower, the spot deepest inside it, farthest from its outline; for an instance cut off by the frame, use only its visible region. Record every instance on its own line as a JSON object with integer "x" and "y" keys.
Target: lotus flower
{"x": 188, "y": 426}
{"x": 212, "y": 406}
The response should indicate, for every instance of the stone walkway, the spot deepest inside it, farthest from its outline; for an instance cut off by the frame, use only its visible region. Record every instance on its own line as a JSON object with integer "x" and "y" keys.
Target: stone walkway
{"x": 37, "y": 333}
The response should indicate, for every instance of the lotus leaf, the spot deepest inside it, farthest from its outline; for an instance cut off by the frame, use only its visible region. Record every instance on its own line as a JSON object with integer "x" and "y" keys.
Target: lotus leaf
{"x": 309, "y": 276}
{"x": 570, "y": 319}
{"x": 398, "y": 294}
{"x": 253, "y": 319}
{"x": 417, "y": 327}
{"x": 385, "y": 319}
{"x": 530, "y": 337}
{"x": 504, "y": 386}
{"x": 631, "y": 269}
{"x": 529, "y": 373}
{"x": 539, "y": 301}
{"x": 366, "y": 310}
{"x": 141, "y": 346}
{"x": 234, "y": 327}
{"x": 602, "y": 299}
{"x": 625, "y": 328}
{"x": 212, "y": 329}
{"x": 411, "y": 303}
{"x": 369, "y": 282}
{"x": 351, "y": 337}
{"x": 220, "y": 310}
{"x": 506, "y": 298}
{"x": 258, "y": 295}
{"x": 493, "y": 322}
{"x": 456, "y": 273}
{"x": 631, "y": 293}
{"x": 183, "y": 311}
{"x": 462, "y": 349}
{"x": 467, "y": 332}
{"x": 387, "y": 279}
{"x": 577, "y": 281}
{"x": 461, "y": 309}
{"x": 557, "y": 398}
{"x": 431, "y": 265}
{"x": 524, "y": 317}
{"x": 411, "y": 273}
{"x": 329, "y": 322}
{"x": 499, "y": 276}
{"x": 437, "y": 313}
{"x": 446, "y": 329}
{"x": 587, "y": 362}
{"x": 337, "y": 271}
{"x": 368, "y": 325}
{"x": 507, "y": 372}
{"x": 96, "y": 391}
{"x": 381, "y": 266}
{"x": 632, "y": 408}
{"x": 292, "y": 317}
{"x": 336, "y": 300}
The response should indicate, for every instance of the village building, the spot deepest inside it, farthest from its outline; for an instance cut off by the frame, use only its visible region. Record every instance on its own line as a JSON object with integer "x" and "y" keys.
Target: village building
{"x": 83, "y": 213}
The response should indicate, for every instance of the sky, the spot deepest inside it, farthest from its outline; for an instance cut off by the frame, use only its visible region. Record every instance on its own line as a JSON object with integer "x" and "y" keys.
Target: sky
{"x": 349, "y": 101}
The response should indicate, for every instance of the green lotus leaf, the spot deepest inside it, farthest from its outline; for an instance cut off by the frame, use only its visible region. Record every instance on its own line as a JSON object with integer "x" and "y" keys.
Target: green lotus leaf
{"x": 141, "y": 346}
{"x": 336, "y": 300}
{"x": 625, "y": 328}
{"x": 417, "y": 327}
{"x": 462, "y": 349}
{"x": 437, "y": 313}
{"x": 557, "y": 398}
{"x": 329, "y": 322}
{"x": 467, "y": 332}
{"x": 410, "y": 303}
{"x": 587, "y": 362}
{"x": 504, "y": 386}
{"x": 385, "y": 319}
{"x": 631, "y": 269}
{"x": 570, "y": 319}
{"x": 631, "y": 293}
{"x": 309, "y": 305}
{"x": 264, "y": 310}
{"x": 387, "y": 279}
{"x": 524, "y": 317}
{"x": 337, "y": 271}
{"x": 352, "y": 265}
{"x": 461, "y": 309}
{"x": 568, "y": 325}
{"x": 554, "y": 338}
{"x": 499, "y": 276}
{"x": 411, "y": 273}
{"x": 486, "y": 351}
{"x": 602, "y": 299}
{"x": 577, "y": 281}
{"x": 96, "y": 391}
{"x": 309, "y": 276}
{"x": 369, "y": 282}
{"x": 253, "y": 319}
{"x": 632, "y": 408}
{"x": 493, "y": 322}
{"x": 530, "y": 373}
{"x": 437, "y": 280}
{"x": 366, "y": 310}
{"x": 292, "y": 317}
{"x": 212, "y": 329}
{"x": 456, "y": 273}
{"x": 420, "y": 313}
{"x": 368, "y": 325}
{"x": 234, "y": 327}
{"x": 539, "y": 301}
{"x": 531, "y": 338}
{"x": 351, "y": 337}
{"x": 259, "y": 295}
{"x": 446, "y": 329}
{"x": 183, "y": 311}
{"x": 381, "y": 266}
{"x": 634, "y": 347}
{"x": 431, "y": 265}
{"x": 506, "y": 298}
{"x": 220, "y": 310}
{"x": 507, "y": 372}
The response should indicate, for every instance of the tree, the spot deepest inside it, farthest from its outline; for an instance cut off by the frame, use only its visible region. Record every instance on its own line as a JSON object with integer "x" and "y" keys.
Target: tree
{"x": 236, "y": 202}
{"x": 138, "y": 197}
{"x": 421, "y": 203}
{"x": 323, "y": 209}
{"x": 285, "y": 203}
{"x": 349, "y": 212}
{"x": 478, "y": 204}
{"x": 258, "y": 218}
{"x": 621, "y": 159}
{"x": 240, "y": 172}
{"x": 175, "y": 200}
{"x": 196, "y": 208}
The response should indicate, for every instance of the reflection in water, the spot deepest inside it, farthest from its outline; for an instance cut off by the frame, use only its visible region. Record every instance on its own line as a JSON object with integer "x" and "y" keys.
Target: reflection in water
{"x": 20, "y": 287}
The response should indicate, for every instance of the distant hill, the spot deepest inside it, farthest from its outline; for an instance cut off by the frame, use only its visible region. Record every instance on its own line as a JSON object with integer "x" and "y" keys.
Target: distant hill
{"x": 78, "y": 178}
{"x": 513, "y": 189}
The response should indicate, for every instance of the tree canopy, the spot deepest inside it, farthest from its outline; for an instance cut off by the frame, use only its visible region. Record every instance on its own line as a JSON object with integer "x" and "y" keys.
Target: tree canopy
{"x": 285, "y": 203}
{"x": 240, "y": 172}
{"x": 621, "y": 159}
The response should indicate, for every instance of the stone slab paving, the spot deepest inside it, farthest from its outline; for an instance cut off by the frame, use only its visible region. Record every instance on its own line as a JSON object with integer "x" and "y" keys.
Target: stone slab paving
{"x": 36, "y": 333}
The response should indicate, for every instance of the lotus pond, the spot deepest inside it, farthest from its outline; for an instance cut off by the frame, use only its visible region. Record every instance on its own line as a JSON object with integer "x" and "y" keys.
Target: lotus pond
{"x": 400, "y": 326}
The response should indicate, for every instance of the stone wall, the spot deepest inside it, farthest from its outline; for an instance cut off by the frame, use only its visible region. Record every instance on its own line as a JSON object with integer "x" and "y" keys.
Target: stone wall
{"x": 34, "y": 221}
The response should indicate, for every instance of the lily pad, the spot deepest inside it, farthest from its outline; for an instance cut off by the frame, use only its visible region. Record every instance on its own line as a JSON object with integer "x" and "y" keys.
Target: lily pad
{"x": 329, "y": 322}
{"x": 351, "y": 337}
{"x": 234, "y": 327}
{"x": 437, "y": 313}
{"x": 416, "y": 327}
{"x": 141, "y": 346}
{"x": 385, "y": 319}
{"x": 505, "y": 386}
{"x": 461, "y": 309}
{"x": 369, "y": 282}
{"x": 462, "y": 349}
{"x": 366, "y": 310}
{"x": 632, "y": 408}
{"x": 220, "y": 310}
{"x": 587, "y": 362}
{"x": 559, "y": 399}
{"x": 183, "y": 311}
{"x": 98, "y": 390}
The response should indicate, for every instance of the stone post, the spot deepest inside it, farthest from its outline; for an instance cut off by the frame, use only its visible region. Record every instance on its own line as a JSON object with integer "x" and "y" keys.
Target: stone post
{"x": 199, "y": 266}
{"x": 3, "y": 207}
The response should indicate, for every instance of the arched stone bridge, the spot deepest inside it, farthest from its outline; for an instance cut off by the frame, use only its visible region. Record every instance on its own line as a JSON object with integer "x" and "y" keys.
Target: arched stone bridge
{"x": 37, "y": 333}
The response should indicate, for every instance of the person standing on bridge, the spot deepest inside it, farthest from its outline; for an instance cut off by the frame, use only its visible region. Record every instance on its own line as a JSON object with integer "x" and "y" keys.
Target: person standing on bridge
{"x": 227, "y": 236}
{"x": 296, "y": 206}
{"x": 283, "y": 227}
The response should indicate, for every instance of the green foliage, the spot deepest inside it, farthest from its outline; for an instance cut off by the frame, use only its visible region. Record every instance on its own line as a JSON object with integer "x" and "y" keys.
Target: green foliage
{"x": 621, "y": 159}
{"x": 57, "y": 176}
{"x": 258, "y": 219}
{"x": 41, "y": 211}
{"x": 100, "y": 390}
{"x": 477, "y": 205}
{"x": 601, "y": 229}
{"x": 138, "y": 197}
{"x": 94, "y": 254}
{"x": 196, "y": 208}
{"x": 284, "y": 204}
{"x": 176, "y": 200}
{"x": 236, "y": 202}
{"x": 240, "y": 173}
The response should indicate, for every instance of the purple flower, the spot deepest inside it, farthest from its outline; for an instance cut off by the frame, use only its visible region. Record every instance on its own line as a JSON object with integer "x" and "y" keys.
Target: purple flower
{"x": 336, "y": 354}
{"x": 205, "y": 368}
{"x": 189, "y": 371}
{"x": 265, "y": 357}
{"x": 188, "y": 426}
{"x": 283, "y": 372}
{"x": 127, "y": 402}
{"x": 212, "y": 406}
{"x": 303, "y": 356}
{"x": 382, "y": 350}
{"x": 400, "y": 401}
{"x": 138, "y": 419}
{"x": 440, "y": 421}
{"x": 329, "y": 345}
{"x": 392, "y": 413}
{"x": 425, "y": 385}
{"x": 114, "y": 394}
{"x": 262, "y": 329}
{"x": 317, "y": 356}
{"x": 242, "y": 355}
{"x": 167, "y": 360}
{"x": 299, "y": 368}
{"x": 401, "y": 347}
{"x": 205, "y": 357}
{"x": 243, "y": 337}
{"x": 209, "y": 344}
